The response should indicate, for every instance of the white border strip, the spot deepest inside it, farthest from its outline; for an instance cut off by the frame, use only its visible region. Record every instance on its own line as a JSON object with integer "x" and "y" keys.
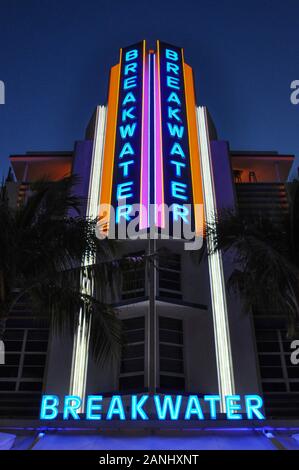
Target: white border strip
{"x": 217, "y": 284}
{"x": 82, "y": 335}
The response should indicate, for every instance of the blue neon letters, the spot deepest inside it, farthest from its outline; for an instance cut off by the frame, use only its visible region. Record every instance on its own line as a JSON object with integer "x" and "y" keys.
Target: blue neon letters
{"x": 176, "y": 153}
{"x": 126, "y": 174}
{"x": 167, "y": 407}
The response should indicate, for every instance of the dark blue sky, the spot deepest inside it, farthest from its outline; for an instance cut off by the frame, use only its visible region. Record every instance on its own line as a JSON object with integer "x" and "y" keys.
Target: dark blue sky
{"x": 55, "y": 57}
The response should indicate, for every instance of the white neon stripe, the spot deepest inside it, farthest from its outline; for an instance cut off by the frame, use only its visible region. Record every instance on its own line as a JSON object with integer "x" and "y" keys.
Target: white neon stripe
{"x": 97, "y": 164}
{"x": 149, "y": 143}
{"x": 82, "y": 335}
{"x": 218, "y": 292}
{"x": 155, "y": 139}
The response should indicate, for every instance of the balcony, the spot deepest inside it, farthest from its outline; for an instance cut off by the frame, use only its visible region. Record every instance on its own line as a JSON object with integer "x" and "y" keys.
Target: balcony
{"x": 260, "y": 167}
{"x": 260, "y": 179}
{"x": 269, "y": 199}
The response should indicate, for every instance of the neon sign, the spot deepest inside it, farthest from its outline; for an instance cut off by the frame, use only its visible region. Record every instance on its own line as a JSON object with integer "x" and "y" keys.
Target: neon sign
{"x": 129, "y": 137}
{"x": 151, "y": 153}
{"x": 175, "y": 144}
{"x": 165, "y": 407}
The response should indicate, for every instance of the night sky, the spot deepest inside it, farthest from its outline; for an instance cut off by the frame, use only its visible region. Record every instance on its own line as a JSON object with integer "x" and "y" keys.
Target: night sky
{"x": 55, "y": 57}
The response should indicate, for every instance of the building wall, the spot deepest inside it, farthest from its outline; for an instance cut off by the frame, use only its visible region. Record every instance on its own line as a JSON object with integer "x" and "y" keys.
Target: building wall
{"x": 194, "y": 307}
{"x": 240, "y": 322}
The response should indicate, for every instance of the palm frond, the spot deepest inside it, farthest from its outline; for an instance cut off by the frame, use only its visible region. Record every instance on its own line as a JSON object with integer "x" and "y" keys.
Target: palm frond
{"x": 106, "y": 336}
{"x": 265, "y": 272}
{"x": 48, "y": 250}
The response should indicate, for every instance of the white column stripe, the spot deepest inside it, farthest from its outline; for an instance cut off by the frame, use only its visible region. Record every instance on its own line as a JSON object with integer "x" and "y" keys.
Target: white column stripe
{"x": 217, "y": 284}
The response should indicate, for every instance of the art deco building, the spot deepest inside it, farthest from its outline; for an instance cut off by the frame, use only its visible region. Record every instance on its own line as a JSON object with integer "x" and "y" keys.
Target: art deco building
{"x": 185, "y": 333}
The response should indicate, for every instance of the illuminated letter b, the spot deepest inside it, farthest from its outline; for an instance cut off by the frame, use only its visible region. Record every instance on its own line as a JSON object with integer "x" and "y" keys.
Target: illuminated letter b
{"x": 131, "y": 55}
{"x": 49, "y": 407}
{"x": 171, "y": 55}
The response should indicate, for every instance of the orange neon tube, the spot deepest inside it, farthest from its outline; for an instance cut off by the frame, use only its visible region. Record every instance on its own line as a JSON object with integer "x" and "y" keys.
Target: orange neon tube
{"x": 197, "y": 188}
{"x": 109, "y": 149}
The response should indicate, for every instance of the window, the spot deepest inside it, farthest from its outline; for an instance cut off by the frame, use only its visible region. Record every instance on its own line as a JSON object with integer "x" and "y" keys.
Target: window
{"x": 170, "y": 276}
{"x": 171, "y": 354}
{"x": 133, "y": 277}
{"x": 132, "y": 361}
{"x": 274, "y": 353}
{"x": 21, "y": 378}
{"x": 279, "y": 377}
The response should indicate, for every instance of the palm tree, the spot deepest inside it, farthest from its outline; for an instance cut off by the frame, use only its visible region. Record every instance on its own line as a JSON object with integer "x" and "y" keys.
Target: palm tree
{"x": 265, "y": 259}
{"x": 42, "y": 247}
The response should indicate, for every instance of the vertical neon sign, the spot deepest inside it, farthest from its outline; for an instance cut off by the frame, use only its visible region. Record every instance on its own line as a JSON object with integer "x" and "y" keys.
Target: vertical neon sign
{"x": 151, "y": 149}
{"x": 174, "y": 149}
{"x": 131, "y": 150}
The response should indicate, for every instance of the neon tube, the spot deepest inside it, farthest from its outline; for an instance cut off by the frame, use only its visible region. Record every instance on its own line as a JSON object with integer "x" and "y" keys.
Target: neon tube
{"x": 145, "y": 143}
{"x": 217, "y": 284}
{"x": 159, "y": 191}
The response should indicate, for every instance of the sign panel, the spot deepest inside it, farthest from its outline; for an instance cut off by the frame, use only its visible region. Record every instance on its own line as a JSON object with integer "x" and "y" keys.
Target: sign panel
{"x": 175, "y": 153}
{"x": 128, "y": 141}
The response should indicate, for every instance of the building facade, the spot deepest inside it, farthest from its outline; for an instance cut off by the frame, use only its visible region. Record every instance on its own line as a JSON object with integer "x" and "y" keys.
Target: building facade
{"x": 185, "y": 333}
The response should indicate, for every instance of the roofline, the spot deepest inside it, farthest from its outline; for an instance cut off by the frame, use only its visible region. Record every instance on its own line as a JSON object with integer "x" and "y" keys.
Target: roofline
{"x": 252, "y": 153}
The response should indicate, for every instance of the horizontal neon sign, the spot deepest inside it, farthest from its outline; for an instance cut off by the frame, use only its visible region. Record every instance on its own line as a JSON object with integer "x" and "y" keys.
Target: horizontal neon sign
{"x": 165, "y": 407}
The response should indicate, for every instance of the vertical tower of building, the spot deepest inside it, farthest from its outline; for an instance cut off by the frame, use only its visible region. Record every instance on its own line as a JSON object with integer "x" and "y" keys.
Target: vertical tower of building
{"x": 154, "y": 179}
